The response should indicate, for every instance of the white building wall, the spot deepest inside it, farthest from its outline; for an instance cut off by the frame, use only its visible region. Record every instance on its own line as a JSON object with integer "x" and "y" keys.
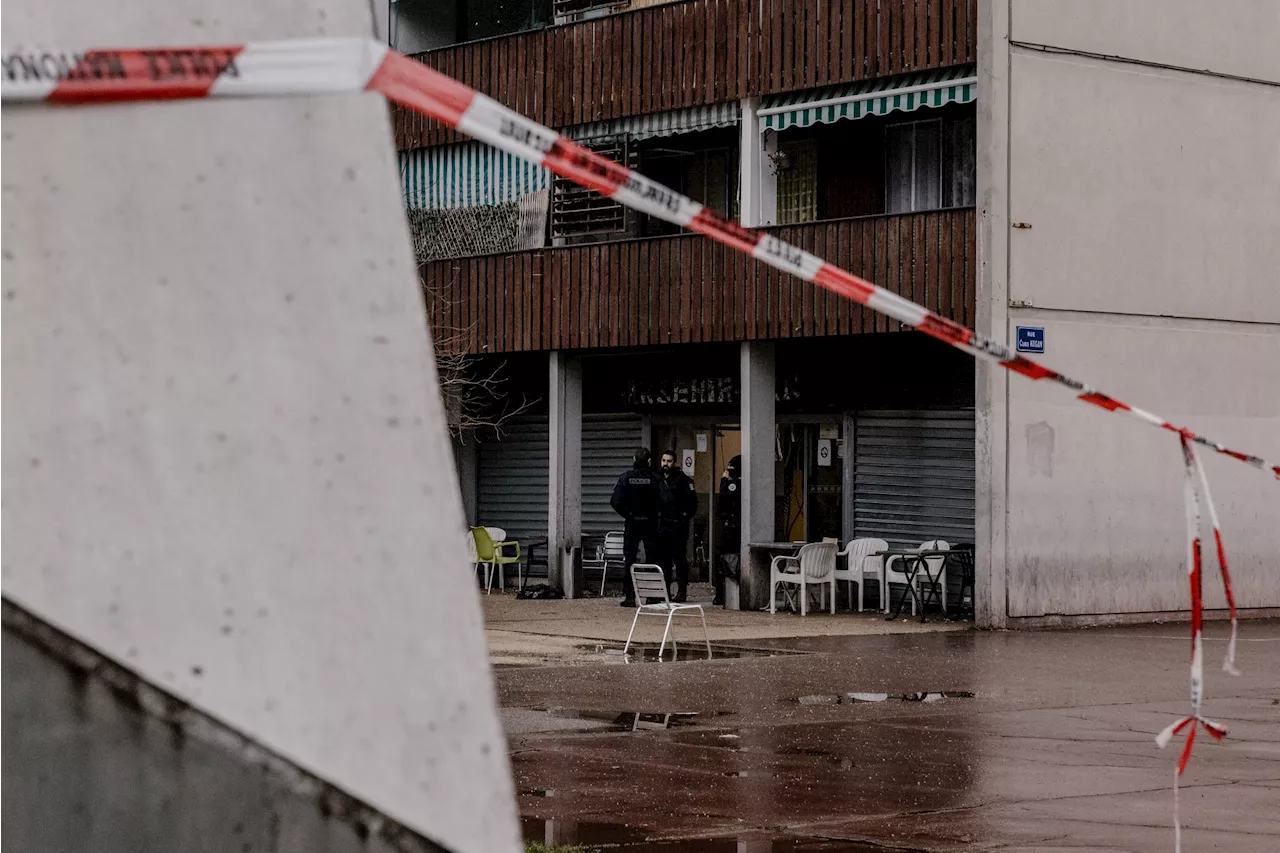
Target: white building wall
{"x": 1133, "y": 215}
{"x": 225, "y": 457}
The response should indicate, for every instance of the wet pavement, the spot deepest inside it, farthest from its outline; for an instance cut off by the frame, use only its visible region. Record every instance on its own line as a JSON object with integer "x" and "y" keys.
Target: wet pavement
{"x": 954, "y": 741}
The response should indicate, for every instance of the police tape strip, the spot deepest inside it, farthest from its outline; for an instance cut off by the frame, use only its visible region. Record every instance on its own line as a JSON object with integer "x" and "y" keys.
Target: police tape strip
{"x": 351, "y": 65}
{"x": 318, "y": 66}
{"x": 1195, "y": 487}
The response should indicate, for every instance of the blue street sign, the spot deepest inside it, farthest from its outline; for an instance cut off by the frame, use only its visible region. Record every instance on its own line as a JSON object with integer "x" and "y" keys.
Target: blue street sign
{"x": 1030, "y": 339}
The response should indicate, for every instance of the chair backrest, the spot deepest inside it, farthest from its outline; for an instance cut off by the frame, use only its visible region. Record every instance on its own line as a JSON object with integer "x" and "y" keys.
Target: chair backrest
{"x": 818, "y": 560}
{"x": 614, "y": 545}
{"x": 934, "y": 545}
{"x": 859, "y": 549}
{"x": 484, "y": 544}
{"x": 497, "y": 534}
{"x": 649, "y": 582}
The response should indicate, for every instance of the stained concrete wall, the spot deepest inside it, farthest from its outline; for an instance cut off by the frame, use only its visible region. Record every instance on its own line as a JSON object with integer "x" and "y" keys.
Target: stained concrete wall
{"x": 1145, "y": 203}
{"x": 225, "y": 459}
{"x": 98, "y": 760}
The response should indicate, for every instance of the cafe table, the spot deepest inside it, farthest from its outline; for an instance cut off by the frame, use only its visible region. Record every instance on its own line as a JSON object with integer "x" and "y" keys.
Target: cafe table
{"x": 913, "y": 563}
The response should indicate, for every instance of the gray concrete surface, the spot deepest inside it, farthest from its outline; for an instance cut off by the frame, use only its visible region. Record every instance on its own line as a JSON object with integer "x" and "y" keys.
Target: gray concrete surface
{"x": 1054, "y": 751}
{"x": 96, "y": 759}
{"x": 225, "y": 458}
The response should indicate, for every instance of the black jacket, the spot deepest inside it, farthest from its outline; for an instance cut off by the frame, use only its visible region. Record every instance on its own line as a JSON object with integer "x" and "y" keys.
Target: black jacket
{"x": 729, "y": 507}
{"x": 636, "y": 496}
{"x": 679, "y": 500}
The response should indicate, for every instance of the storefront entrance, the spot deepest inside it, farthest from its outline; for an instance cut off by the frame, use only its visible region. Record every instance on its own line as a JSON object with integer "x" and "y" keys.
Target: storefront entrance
{"x": 704, "y": 448}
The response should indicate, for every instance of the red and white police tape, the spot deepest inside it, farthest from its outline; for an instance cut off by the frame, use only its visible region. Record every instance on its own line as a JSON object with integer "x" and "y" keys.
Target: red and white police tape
{"x": 322, "y": 66}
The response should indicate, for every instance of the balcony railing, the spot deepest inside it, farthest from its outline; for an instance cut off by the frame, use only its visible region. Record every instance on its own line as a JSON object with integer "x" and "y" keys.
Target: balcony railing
{"x": 689, "y": 289}
{"x": 698, "y": 52}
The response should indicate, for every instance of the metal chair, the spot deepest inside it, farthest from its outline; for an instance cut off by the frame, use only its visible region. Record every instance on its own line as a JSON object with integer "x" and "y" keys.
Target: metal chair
{"x": 892, "y": 575}
{"x": 611, "y": 553}
{"x": 815, "y": 565}
{"x": 651, "y": 583}
{"x": 861, "y": 562}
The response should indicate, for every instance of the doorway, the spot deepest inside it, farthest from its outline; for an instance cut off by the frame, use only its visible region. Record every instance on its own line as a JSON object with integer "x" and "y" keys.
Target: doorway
{"x": 704, "y": 449}
{"x": 808, "y": 482}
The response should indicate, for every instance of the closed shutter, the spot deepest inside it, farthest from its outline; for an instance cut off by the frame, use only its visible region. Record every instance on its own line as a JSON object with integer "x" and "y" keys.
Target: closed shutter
{"x": 513, "y": 481}
{"x": 913, "y": 477}
{"x": 608, "y": 446}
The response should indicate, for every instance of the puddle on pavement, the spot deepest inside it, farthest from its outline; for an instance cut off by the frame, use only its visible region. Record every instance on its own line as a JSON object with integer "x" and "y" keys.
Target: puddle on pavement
{"x": 689, "y": 652}
{"x": 634, "y": 721}
{"x": 855, "y": 698}
{"x": 592, "y": 837}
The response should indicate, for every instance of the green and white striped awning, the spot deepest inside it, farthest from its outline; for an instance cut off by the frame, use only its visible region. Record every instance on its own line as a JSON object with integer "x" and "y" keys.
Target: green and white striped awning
{"x": 468, "y": 174}
{"x": 905, "y": 93}
{"x": 670, "y": 123}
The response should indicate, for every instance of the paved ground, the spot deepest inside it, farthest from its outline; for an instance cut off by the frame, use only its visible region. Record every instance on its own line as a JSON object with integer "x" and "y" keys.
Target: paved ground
{"x": 1053, "y": 751}
{"x": 540, "y": 632}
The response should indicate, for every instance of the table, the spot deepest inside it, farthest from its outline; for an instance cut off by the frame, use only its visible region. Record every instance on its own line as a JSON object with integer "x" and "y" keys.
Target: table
{"x": 914, "y": 562}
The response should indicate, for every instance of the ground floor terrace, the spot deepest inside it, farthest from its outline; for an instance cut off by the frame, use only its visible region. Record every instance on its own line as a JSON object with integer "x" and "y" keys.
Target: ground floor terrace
{"x": 838, "y": 439}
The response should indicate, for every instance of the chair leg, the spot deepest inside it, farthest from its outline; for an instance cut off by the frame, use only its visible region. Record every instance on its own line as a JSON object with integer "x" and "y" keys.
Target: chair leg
{"x": 706, "y": 635}
{"x": 862, "y": 582}
{"x": 773, "y": 595}
{"x": 632, "y": 632}
{"x": 604, "y": 575}
{"x": 804, "y": 596}
{"x": 833, "y": 595}
{"x": 942, "y": 589}
{"x": 662, "y": 648}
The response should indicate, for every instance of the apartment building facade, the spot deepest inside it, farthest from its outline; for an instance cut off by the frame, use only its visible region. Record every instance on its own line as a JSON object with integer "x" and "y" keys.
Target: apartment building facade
{"x": 864, "y": 131}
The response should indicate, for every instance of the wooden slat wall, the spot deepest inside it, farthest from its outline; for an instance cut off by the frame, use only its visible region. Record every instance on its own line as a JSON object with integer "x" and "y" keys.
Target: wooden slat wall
{"x": 687, "y": 288}
{"x": 698, "y": 52}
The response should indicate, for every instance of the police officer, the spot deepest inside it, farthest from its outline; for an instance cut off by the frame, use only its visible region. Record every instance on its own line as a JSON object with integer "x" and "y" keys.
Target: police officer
{"x": 679, "y": 505}
{"x": 729, "y": 508}
{"x": 636, "y": 498}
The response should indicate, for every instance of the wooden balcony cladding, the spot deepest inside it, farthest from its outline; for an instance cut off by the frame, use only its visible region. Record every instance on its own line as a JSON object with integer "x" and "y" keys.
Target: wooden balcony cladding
{"x": 698, "y": 52}
{"x": 687, "y": 289}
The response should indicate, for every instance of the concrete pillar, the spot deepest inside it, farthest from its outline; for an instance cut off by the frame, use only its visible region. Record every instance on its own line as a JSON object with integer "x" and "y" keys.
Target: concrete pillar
{"x": 758, "y": 424}
{"x": 757, "y": 179}
{"x": 992, "y": 383}
{"x": 564, "y": 495}
{"x": 466, "y": 460}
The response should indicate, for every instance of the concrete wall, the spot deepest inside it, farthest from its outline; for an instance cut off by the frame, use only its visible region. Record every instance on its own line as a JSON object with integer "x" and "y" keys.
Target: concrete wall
{"x": 222, "y": 422}
{"x": 100, "y": 760}
{"x": 1147, "y": 252}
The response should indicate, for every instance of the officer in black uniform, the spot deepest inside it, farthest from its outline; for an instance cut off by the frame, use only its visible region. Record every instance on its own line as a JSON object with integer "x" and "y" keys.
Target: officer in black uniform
{"x": 636, "y": 498}
{"x": 729, "y": 508}
{"x": 679, "y": 505}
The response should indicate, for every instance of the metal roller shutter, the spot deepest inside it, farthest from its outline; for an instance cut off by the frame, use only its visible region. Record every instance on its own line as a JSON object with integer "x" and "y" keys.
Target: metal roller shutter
{"x": 913, "y": 476}
{"x": 513, "y": 479}
{"x": 608, "y": 443}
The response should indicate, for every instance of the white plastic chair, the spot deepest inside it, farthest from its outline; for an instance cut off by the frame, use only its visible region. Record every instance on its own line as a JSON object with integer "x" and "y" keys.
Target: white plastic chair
{"x": 937, "y": 568}
{"x": 650, "y": 582}
{"x": 815, "y": 565}
{"x": 860, "y": 564}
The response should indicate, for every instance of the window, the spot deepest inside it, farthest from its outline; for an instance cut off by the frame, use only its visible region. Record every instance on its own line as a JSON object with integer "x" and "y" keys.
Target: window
{"x": 930, "y": 164}
{"x": 702, "y": 165}
{"x": 797, "y": 165}
{"x": 913, "y": 166}
{"x": 959, "y": 167}
{"x": 579, "y": 214}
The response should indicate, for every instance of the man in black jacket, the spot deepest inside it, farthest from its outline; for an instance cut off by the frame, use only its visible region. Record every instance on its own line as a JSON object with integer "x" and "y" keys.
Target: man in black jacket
{"x": 636, "y": 498}
{"x": 679, "y": 505}
{"x": 729, "y": 509}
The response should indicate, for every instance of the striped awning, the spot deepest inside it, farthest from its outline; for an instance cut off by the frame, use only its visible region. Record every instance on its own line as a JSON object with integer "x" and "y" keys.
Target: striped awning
{"x": 670, "y": 123}
{"x": 468, "y": 174}
{"x": 905, "y": 93}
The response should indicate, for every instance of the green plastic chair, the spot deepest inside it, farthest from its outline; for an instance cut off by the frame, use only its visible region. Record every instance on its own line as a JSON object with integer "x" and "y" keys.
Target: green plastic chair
{"x": 494, "y": 555}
